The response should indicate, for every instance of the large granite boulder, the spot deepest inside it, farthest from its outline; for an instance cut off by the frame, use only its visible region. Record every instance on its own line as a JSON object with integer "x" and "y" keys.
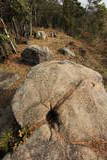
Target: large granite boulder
{"x": 65, "y": 104}
{"x": 35, "y": 54}
{"x": 38, "y": 147}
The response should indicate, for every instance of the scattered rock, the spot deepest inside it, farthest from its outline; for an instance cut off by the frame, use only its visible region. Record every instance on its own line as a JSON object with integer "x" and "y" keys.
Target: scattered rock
{"x": 35, "y": 54}
{"x": 66, "y": 105}
{"x": 66, "y": 52}
{"x": 53, "y": 34}
{"x": 40, "y": 35}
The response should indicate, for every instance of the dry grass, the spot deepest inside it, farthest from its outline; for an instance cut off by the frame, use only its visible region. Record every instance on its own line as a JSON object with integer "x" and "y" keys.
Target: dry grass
{"x": 93, "y": 59}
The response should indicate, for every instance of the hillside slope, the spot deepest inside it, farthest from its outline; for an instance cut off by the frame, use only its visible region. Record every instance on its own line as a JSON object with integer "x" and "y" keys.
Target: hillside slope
{"x": 94, "y": 58}
{"x": 94, "y": 55}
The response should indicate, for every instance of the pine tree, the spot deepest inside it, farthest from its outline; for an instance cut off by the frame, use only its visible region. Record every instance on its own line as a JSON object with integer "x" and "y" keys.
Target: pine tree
{"x": 72, "y": 13}
{"x": 95, "y": 17}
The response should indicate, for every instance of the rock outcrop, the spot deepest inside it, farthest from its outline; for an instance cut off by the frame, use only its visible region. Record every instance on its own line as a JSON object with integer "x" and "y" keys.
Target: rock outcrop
{"x": 65, "y": 104}
{"x": 35, "y": 54}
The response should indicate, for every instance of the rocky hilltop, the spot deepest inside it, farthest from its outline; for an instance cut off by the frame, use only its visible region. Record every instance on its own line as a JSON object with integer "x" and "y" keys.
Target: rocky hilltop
{"x": 51, "y": 92}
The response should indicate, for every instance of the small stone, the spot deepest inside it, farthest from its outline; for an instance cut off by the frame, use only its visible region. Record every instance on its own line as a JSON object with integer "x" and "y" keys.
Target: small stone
{"x": 66, "y": 52}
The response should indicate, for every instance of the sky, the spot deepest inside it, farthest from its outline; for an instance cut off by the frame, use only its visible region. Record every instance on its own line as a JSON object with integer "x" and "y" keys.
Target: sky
{"x": 84, "y": 2}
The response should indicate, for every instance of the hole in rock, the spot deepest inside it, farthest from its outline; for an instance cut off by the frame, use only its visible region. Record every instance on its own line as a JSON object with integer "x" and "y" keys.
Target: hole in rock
{"x": 53, "y": 118}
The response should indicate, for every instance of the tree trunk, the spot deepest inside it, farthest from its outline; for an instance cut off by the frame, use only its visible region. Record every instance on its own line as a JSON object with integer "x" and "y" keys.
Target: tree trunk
{"x": 4, "y": 49}
{"x": 16, "y": 29}
{"x": 6, "y": 32}
{"x": 35, "y": 18}
{"x": 31, "y": 19}
{"x": 30, "y": 26}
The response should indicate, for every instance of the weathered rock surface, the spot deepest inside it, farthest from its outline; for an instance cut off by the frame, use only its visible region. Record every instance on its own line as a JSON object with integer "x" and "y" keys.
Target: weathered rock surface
{"x": 7, "y": 79}
{"x": 35, "y": 54}
{"x": 40, "y": 35}
{"x": 66, "y": 52}
{"x": 39, "y": 148}
{"x": 77, "y": 113}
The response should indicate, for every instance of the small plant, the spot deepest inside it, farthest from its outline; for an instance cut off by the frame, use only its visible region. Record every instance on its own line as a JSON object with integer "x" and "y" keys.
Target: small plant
{"x": 24, "y": 133}
{"x": 10, "y": 140}
{"x": 5, "y": 139}
{"x": 3, "y": 38}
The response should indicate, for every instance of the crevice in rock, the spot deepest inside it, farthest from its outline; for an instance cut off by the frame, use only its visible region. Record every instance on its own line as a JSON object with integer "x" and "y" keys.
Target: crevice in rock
{"x": 53, "y": 118}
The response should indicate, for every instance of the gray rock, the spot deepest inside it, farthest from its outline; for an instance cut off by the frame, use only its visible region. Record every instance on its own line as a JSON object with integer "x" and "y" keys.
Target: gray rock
{"x": 35, "y": 54}
{"x": 40, "y": 35}
{"x": 53, "y": 34}
{"x": 66, "y": 52}
{"x": 37, "y": 147}
{"x": 66, "y": 105}
{"x": 7, "y": 79}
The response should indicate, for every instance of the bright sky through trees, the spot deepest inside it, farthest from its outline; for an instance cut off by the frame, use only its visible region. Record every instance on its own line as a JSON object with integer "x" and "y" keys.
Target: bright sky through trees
{"x": 84, "y": 2}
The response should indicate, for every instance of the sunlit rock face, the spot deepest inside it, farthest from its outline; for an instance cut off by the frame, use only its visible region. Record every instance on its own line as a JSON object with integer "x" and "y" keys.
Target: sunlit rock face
{"x": 66, "y": 105}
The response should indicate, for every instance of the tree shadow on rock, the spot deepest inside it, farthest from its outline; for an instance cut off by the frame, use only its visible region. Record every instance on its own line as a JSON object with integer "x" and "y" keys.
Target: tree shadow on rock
{"x": 7, "y": 119}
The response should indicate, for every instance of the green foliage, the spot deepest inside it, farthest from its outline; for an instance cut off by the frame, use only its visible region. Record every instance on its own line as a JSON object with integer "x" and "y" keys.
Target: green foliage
{"x": 69, "y": 15}
{"x": 3, "y": 38}
{"x": 20, "y": 8}
{"x": 11, "y": 139}
{"x": 48, "y": 13}
{"x": 5, "y": 139}
{"x": 95, "y": 20}
{"x": 72, "y": 15}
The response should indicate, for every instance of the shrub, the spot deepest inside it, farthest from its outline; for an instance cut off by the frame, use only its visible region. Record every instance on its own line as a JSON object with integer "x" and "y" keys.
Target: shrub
{"x": 5, "y": 140}
{"x": 3, "y": 38}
